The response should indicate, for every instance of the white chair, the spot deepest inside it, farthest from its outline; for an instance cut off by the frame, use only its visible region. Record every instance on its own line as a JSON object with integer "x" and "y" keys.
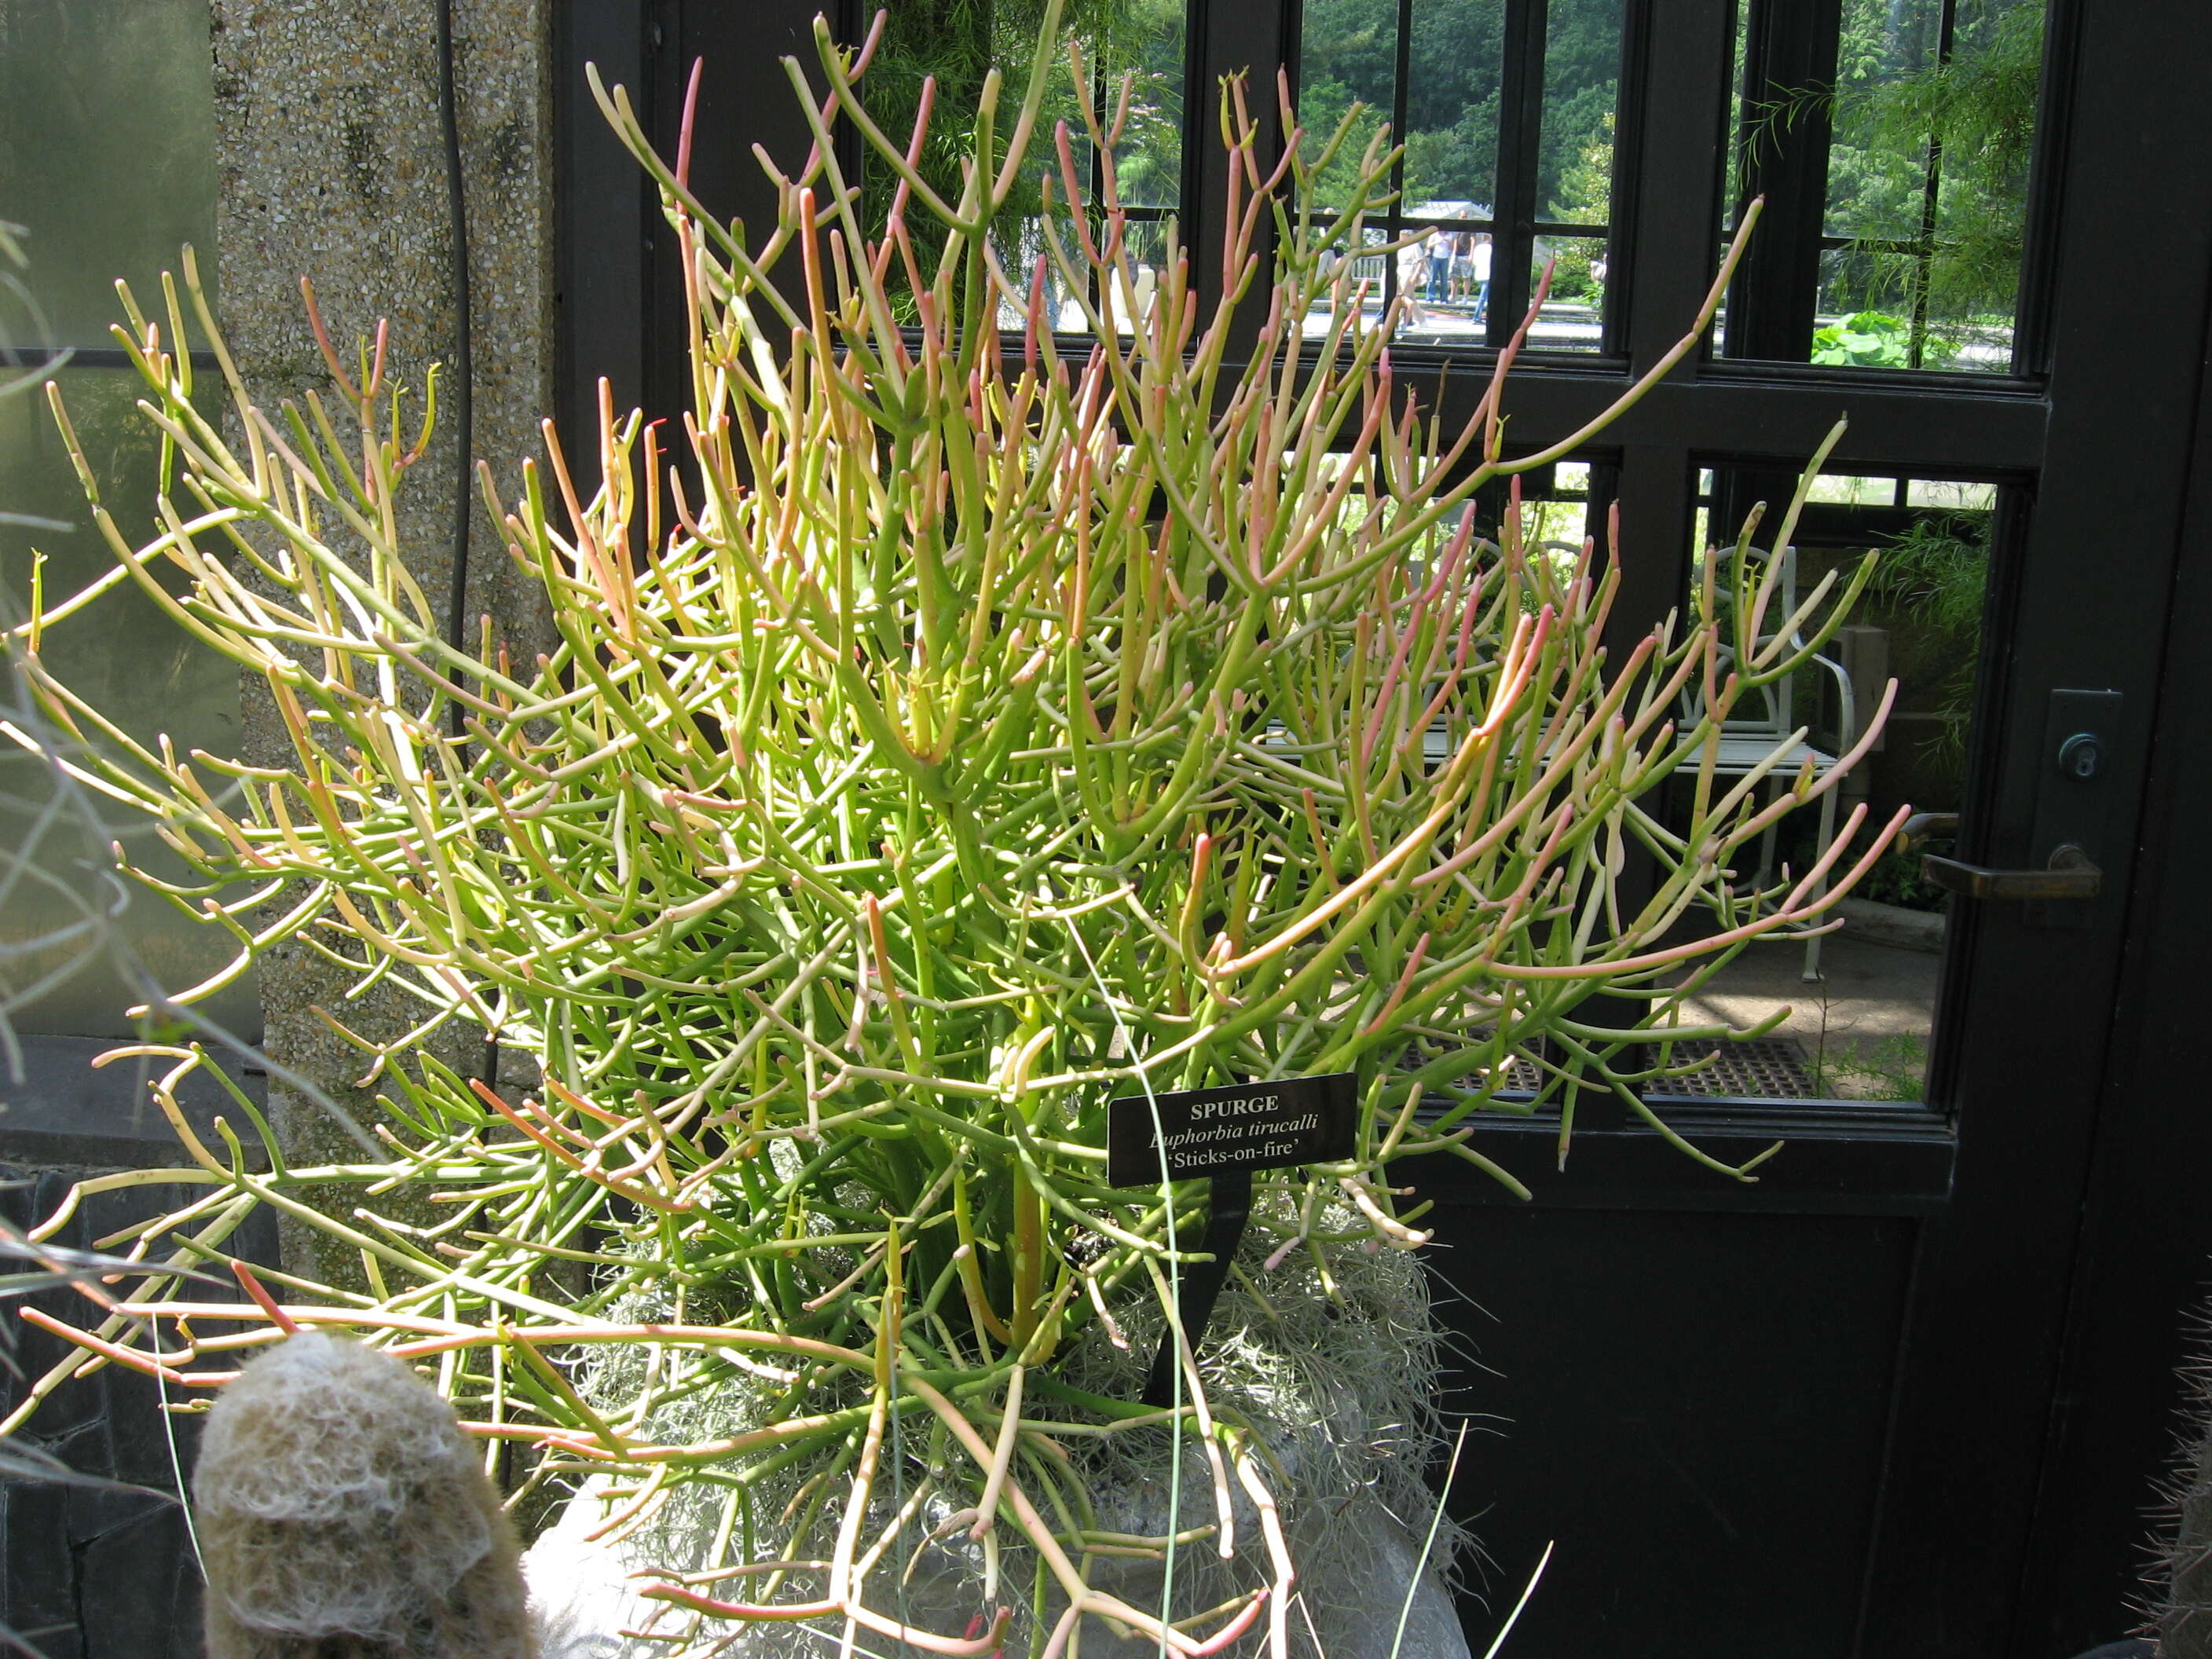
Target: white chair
{"x": 1767, "y": 730}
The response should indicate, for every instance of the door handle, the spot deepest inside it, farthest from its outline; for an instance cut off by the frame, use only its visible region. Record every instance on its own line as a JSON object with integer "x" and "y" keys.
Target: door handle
{"x": 1927, "y": 826}
{"x": 2069, "y": 875}
{"x": 2072, "y": 807}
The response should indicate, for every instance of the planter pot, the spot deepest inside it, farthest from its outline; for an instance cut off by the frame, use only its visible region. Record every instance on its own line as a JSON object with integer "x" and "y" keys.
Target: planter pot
{"x": 1336, "y": 1389}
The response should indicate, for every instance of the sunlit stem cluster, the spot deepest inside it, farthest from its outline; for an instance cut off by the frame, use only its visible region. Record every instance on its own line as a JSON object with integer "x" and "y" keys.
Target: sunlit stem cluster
{"x": 974, "y": 727}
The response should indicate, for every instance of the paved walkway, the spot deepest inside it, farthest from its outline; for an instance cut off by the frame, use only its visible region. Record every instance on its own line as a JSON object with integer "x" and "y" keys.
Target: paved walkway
{"x": 1864, "y": 1028}
{"x": 1564, "y": 326}
{"x": 1574, "y": 325}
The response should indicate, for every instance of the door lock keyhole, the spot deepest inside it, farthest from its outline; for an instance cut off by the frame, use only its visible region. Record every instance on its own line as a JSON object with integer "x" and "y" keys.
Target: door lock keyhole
{"x": 2081, "y": 755}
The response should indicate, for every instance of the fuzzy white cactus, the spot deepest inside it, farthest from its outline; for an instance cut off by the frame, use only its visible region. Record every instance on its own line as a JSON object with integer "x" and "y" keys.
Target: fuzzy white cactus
{"x": 343, "y": 1515}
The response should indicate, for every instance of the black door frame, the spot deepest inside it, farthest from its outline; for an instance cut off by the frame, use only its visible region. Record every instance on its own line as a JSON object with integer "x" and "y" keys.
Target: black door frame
{"x": 2057, "y": 1232}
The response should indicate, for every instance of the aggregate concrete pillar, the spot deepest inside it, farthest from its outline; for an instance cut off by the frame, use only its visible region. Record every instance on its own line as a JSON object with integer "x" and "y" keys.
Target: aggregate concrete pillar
{"x": 331, "y": 165}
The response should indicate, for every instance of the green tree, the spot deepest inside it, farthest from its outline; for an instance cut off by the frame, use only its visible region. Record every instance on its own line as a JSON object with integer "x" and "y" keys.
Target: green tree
{"x": 1585, "y": 196}
{"x": 1581, "y": 88}
{"x": 1323, "y": 103}
{"x": 1456, "y": 60}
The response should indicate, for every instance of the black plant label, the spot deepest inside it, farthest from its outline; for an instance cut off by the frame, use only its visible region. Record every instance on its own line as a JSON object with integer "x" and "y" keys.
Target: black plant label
{"x": 1240, "y": 1127}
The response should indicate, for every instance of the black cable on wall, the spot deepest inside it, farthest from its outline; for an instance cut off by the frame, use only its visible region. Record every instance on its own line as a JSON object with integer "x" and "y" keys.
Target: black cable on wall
{"x": 459, "y": 399}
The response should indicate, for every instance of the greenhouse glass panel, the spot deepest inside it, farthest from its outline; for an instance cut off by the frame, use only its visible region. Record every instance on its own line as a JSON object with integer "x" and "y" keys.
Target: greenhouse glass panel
{"x": 1130, "y": 54}
{"x": 106, "y": 157}
{"x": 1507, "y": 113}
{"x": 126, "y": 657}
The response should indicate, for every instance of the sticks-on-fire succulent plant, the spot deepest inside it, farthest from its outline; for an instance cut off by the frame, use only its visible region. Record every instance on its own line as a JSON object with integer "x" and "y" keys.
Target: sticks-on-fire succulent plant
{"x": 971, "y": 729}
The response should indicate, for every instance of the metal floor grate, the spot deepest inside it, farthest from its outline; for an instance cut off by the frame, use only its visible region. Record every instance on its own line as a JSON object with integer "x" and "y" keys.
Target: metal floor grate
{"x": 1764, "y": 1068}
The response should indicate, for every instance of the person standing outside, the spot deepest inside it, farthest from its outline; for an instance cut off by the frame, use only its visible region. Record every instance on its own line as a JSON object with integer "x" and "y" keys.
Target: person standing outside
{"x": 1462, "y": 265}
{"x": 1481, "y": 256}
{"x": 1439, "y": 246}
{"x": 1412, "y": 273}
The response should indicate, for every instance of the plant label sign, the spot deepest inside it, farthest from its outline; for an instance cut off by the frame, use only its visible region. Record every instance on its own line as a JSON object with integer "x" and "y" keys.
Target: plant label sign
{"x": 1223, "y": 1135}
{"x": 1233, "y": 1129}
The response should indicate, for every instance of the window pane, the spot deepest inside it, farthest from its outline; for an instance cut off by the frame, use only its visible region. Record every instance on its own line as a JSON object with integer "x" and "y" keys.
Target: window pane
{"x": 1995, "y": 78}
{"x": 1376, "y": 271}
{"x": 1928, "y": 176}
{"x": 957, "y": 44}
{"x": 1735, "y": 191}
{"x": 1573, "y": 318}
{"x": 1144, "y": 39}
{"x": 1931, "y": 117}
{"x": 107, "y": 156}
{"x": 1557, "y": 511}
{"x": 128, "y": 659}
{"x": 1451, "y": 116}
{"x": 1447, "y": 274}
{"x": 1574, "y": 170}
{"x": 1877, "y": 166}
{"x": 1733, "y": 195}
{"x": 1863, "y": 1029}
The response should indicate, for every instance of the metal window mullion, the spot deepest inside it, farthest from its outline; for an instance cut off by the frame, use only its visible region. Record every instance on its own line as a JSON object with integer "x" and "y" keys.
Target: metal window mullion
{"x": 601, "y": 217}
{"x": 1675, "y": 99}
{"x": 1520, "y": 135}
{"x": 1394, "y": 222}
{"x": 2034, "y": 296}
{"x": 1256, "y": 38}
{"x": 1924, "y": 253}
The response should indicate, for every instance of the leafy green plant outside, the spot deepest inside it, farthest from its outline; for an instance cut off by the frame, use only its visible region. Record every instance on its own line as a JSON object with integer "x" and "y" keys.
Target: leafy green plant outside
{"x": 953, "y": 47}
{"x": 1933, "y": 578}
{"x": 1896, "y": 879}
{"x": 1931, "y": 115}
{"x": 1976, "y": 106}
{"x": 1348, "y": 55}
{"x": 1873, "y": 339}
{"x": 1585, "y": 198}
{"x": 1889, "y": 1068}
